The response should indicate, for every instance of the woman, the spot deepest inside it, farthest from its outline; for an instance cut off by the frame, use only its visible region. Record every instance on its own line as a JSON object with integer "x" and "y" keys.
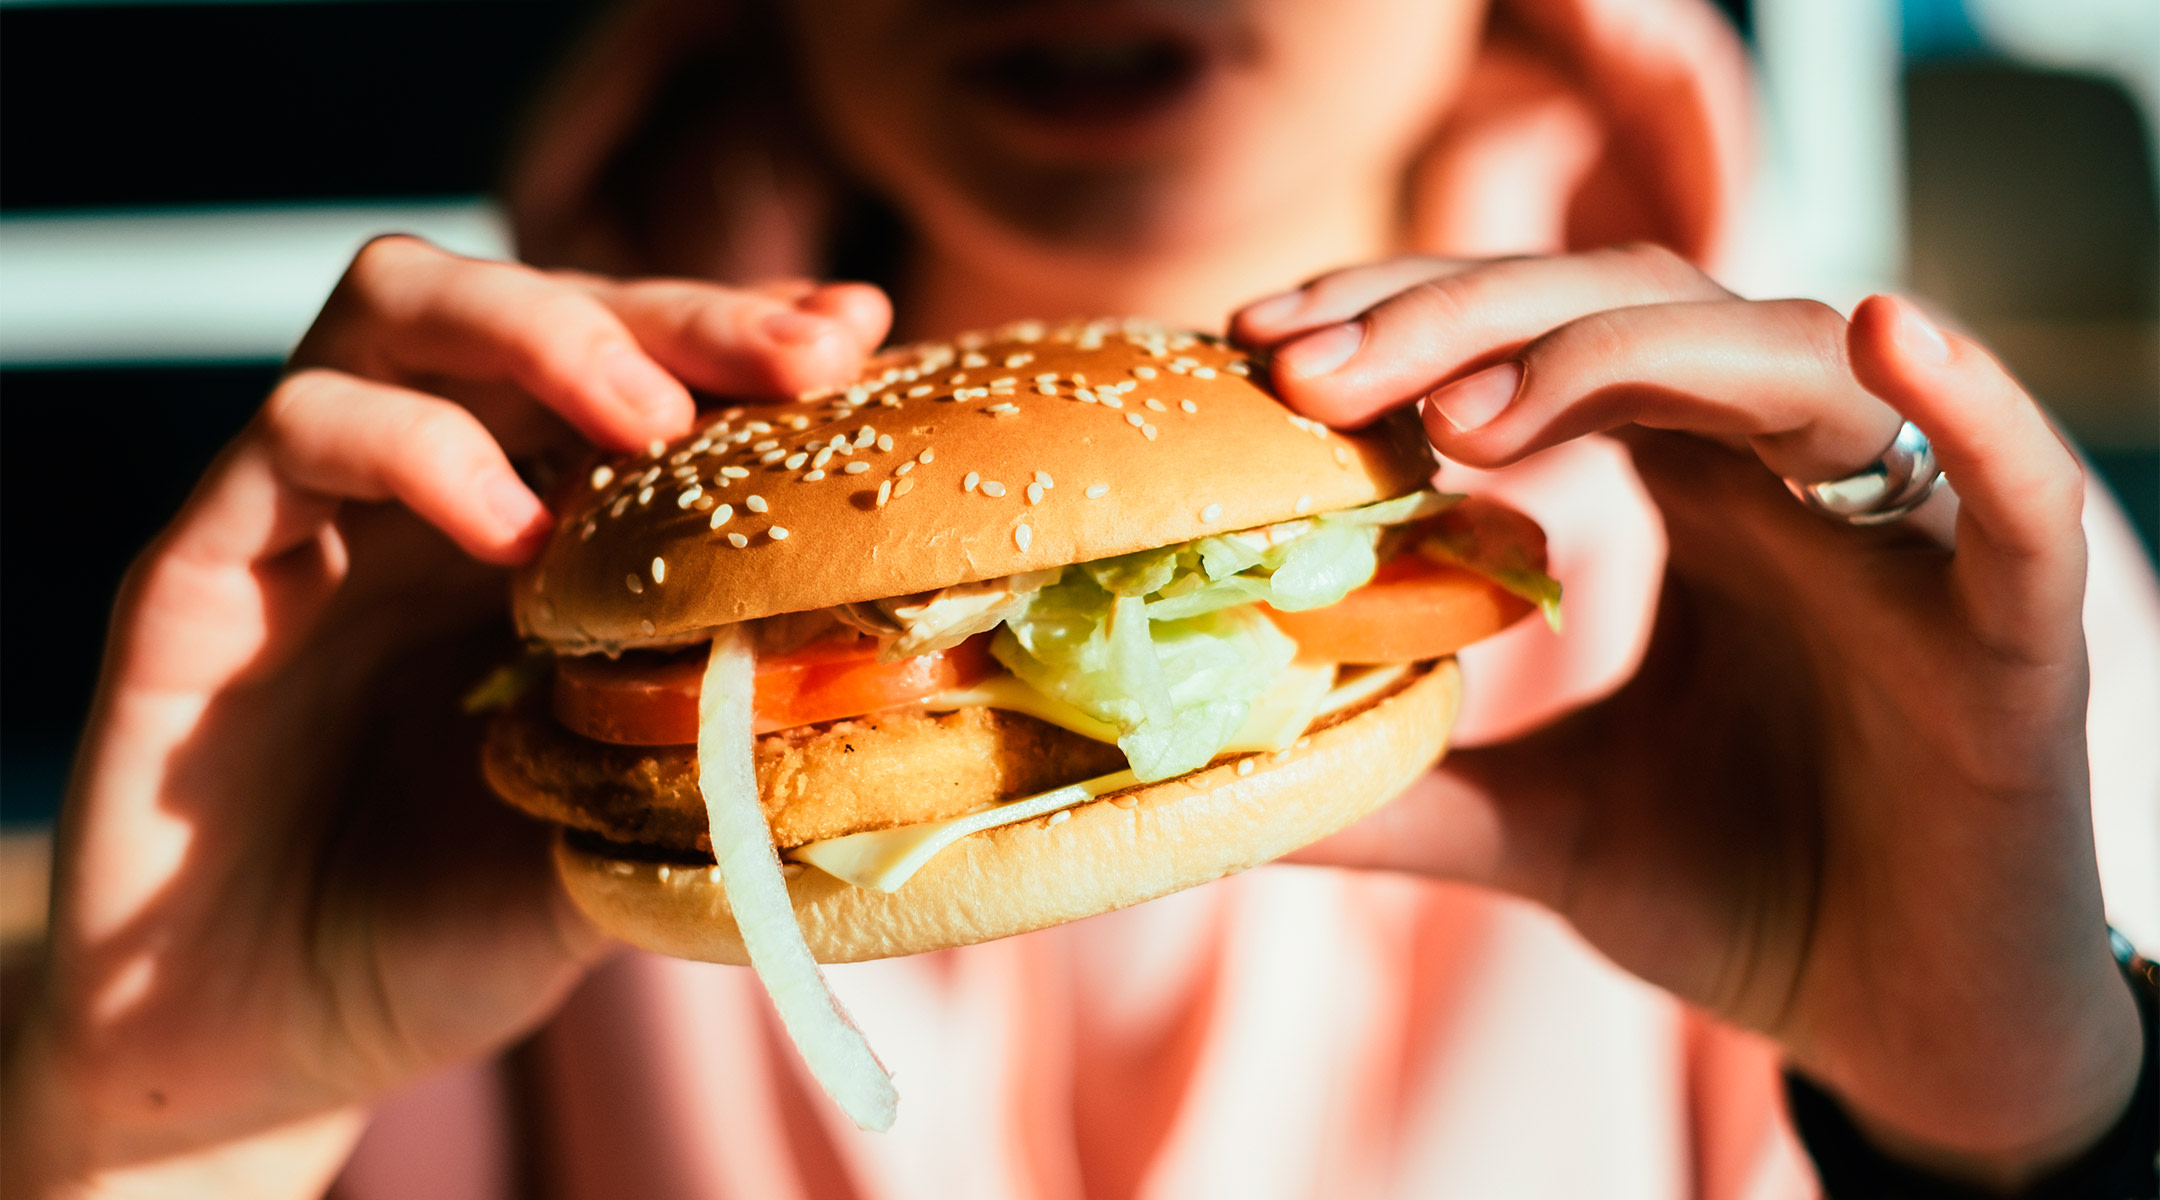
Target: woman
{"x": 1830, "y": 784}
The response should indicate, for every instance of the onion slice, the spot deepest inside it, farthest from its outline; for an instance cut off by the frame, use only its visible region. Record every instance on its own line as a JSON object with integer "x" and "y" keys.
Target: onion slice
{"x": 836, "y": 1051}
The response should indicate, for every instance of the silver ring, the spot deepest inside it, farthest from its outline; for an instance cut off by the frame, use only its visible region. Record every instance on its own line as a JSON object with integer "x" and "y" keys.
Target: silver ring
{"x": 1900, "y": 480}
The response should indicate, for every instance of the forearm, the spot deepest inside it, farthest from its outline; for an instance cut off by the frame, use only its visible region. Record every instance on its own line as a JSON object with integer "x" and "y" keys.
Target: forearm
{"x": 2103, "y": 1144}
{"x": 61, "y": 1145}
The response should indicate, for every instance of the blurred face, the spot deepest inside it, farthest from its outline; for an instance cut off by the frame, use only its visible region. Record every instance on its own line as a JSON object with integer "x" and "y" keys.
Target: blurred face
{"x": 1091, "y": 129}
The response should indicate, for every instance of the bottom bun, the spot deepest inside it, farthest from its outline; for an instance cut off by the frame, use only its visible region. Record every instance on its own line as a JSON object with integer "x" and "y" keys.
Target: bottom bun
{"x": 1118, "y": 850}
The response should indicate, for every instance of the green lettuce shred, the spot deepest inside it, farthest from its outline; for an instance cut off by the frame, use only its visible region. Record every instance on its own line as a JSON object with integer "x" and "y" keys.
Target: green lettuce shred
{"x": 1164, "y": 646}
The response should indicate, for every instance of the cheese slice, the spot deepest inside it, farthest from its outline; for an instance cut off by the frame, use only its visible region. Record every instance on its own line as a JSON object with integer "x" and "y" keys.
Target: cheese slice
{"x": 885, "y": 859}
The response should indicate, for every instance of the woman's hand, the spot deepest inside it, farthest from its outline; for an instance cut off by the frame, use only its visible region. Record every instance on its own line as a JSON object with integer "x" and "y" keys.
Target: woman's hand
{"x": 1845, "y": 798}
{"x": 281, "y": 889}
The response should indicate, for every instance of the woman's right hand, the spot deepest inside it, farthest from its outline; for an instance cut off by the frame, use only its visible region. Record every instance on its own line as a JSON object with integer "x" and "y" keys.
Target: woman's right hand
{"x": 280, "y": 889}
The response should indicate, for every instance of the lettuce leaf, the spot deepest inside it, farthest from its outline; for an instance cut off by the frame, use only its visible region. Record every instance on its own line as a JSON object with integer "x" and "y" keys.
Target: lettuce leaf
{"x": 1164, "y": 645}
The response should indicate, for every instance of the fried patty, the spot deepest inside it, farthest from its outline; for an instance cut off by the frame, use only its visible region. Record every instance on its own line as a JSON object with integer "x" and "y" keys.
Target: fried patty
{"x": 814, "y": 781}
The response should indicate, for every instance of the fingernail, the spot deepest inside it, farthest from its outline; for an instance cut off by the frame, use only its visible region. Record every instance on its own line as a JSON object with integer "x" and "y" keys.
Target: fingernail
{"x": 514, "y": 506}
{"x": 1276, "y": 309}
{"x": 1321, "y": 352}
{"x": 791, "y": 328}
{"x": 1918, "y": 336}
{"x": 641, "y": 385}
{"x": 1475, "y": 400}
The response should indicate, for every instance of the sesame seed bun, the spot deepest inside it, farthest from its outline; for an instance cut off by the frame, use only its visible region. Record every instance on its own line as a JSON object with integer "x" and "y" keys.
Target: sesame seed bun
{"x": 953, "y": 463}
{"x": 1115, "y": 851}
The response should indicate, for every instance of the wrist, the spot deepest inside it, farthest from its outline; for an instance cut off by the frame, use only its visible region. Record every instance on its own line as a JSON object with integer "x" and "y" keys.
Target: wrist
{"x": 2108, "y": 1144}
{"x": 61, "y": 1145}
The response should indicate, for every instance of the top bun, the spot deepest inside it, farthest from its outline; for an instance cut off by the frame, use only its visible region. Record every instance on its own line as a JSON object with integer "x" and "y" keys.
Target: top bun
{"x": 947, "y": 462}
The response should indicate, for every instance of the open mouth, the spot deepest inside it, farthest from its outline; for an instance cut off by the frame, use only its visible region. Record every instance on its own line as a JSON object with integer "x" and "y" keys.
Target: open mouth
{"x": 1087, "y": 79}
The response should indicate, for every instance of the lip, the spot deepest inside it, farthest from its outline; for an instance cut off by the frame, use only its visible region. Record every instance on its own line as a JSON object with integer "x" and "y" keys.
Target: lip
{"x": 1088, "y": 78}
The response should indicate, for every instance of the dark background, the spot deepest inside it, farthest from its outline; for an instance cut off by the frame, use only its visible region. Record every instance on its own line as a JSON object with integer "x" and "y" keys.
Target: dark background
{"x": 2031, "y": 193}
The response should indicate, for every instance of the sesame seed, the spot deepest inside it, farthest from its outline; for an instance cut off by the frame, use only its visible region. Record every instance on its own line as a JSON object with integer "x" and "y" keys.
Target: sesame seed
{"x": 649, "y": 476}
{"x": 636, "y": 585}
{"x": 920, "y": 390}
{"x": 971, "y": 359}
{"x": 1211, "y": 513}
{"x": 993, "y": 489}
{"x": 734, "y": 473}
{"x": 967, "y": 483}
{"x": 824, "y": 455}
{"x": 884, "y": 492}
{"x": 798, "y": 424}
{"x": 1135, "y": 420}
{"x": 864, "y": 437}
{"x": 621, "y": 502}
{"x": 1034, "y": 493}
{"x": 1046, "y": 389}
{"x": 721, "y": 515}
{"x": 602, "y": 476}
{"x": 1112, "y": 399}
{"x": 586, "y": 534}
{"x": 1203, "y": 373}
{"x": 644, "y": 495}
{"x": 1188, "y": 406}
{"x": 959, "y": 377}
{"x": 659, "y": 570}
{"x": 755, "y": 504}
{"x": 1022, "y": 535}
{"x": 772, "y": 456}
{"x": 777, "y": 533}
{"x": 903, "y": 487}
{"x": 1043, "y": 478}
{"x": 1156, "y": 405}
{"x": 1059, "y": 817}
{"x": 1004, "y": 381}
{"x": 1017, "y": 361}
{"x": 1085, "y": 395}
{"x": 737, "y": 540}
{"x": 884, "y": 442}
{"x": 1047, "y": 377}
{"x": 797, "y": 459}
{"x": 1304, "y": 505}
{"x": 927, "y": 457}
{"x": 1342, "y": 457}
{"x": 1244, "y": 766}
{"x": 813, "y": 476}
{"x": 655, "y": 448}
{"x": 1001, "y": 409}
{"x": 1098, "y": 491}
{"x": 1239, "y": 367}
{"x": 904, "y": 468}
{"x": 1145, "y": 372}
{"x": 646, "y": 627}
{"x": 689, "y": 497}
{"x": 856, "y": 468}
{"x": 757, "y": 427}
{"x": 767, "y": 444}
{"x": 1148, "y": 431}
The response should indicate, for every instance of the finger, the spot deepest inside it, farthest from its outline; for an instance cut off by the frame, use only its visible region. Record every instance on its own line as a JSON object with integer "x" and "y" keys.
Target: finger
{"x": 793, "y": 339}
{"x": 333, "y": 435}
{"x": 1403, "y": 347}
{"x": 408, "y": 313}
{"x": 1770, "y": 374}
{"x": 2019, "y": 565}
{"x": 1333, "y": 298}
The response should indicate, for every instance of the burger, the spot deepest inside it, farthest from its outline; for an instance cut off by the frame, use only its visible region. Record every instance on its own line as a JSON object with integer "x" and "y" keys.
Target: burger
{"x": 1013, "y": 630}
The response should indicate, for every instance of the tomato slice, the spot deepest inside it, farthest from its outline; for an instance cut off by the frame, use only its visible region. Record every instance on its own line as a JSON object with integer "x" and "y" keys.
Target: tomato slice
{"x": 1417, "y": 608}
{"x": 647, "y": 700}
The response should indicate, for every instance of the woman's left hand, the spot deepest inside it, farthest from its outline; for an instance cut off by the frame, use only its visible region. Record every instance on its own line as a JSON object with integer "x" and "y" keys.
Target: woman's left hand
{"x": 1844, "y": 800}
